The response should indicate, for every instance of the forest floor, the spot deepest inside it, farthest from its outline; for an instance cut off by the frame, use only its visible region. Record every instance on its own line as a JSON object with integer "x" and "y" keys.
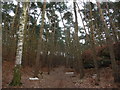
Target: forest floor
{"x": 58, "y": 78}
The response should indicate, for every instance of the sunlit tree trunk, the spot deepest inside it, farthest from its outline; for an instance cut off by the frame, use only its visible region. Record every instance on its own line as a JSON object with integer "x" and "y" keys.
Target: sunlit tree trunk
{"x": 38, "y": 64}
{"x": 116, "y": 72}
{"x": 17, "y": 73}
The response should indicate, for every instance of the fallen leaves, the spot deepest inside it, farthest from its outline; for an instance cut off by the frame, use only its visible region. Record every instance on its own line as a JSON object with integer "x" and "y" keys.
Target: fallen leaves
{"x": 58, "y": 78}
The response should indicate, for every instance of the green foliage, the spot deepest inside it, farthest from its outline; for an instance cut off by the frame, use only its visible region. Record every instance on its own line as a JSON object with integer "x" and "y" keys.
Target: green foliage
{"x": 61, "y": 6}
{"x": 68, "y": 15}
{"x": 40, "y": 5}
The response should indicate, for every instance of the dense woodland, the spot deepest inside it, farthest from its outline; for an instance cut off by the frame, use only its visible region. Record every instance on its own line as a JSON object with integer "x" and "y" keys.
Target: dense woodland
{"x": 75, "y": 35}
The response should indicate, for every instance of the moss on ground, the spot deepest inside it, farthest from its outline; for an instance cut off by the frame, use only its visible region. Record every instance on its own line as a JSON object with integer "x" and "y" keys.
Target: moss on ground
{"x": 16, "y": 81}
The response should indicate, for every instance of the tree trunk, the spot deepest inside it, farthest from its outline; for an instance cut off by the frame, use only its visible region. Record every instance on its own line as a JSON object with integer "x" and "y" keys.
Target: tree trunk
{"x": 16, "y": 81}
{"x": 13, "y": 30}
{"x": 67, "y": 42}
{"x": 87, "y": 37}
{"x": 25, "y": 45}
{"x": 116, "y": 73}
{"x": 100, "y": 42}
{"x": 77, "y": 46}
{"x": 114, "y": 30}
{"x": 92, "y": 41}
{"x": 40, "y": 43}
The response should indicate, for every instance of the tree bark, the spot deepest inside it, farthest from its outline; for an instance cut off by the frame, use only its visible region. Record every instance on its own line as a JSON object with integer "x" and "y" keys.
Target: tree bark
{"x": 16, "y": 81}
{"x": 87, "y": 37}
{"x": 116, "y": 73}
{"x": 112, "y": 24}
{"x": 93, "y": 47}
{"x": 37, "y": 62}
{"x": 67, "y": 42}
{"x": 77, "y": 46}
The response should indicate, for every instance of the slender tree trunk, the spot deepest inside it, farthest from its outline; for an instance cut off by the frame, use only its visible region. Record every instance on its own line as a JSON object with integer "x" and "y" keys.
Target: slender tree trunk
{"x": 87, "y": 37}
{"x": 40, "y": 43}
{"x": 53, "y": 46}
{"x": 92, "y": 28}
{"x": 77, "y": 46}
{"x": 13, "y": 30}
{"x": 15, "y": 17}
{"x": 5, "y": 38}
{"x": 17, "y": 74}
{"x": 99, "y": 35}
{"x": 68, "y": 46}
{"x": 116, "y": 73}
{"x": 25, "y": 40}
{"x": 67, "y": 41}
{"x": 29, "y": 36}
{"x": 48, "y": 48}
{"x": 112, "y": 24}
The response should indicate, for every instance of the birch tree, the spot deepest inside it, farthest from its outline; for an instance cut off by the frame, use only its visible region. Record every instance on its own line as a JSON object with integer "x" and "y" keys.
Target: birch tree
{"x": 17, "y": 74}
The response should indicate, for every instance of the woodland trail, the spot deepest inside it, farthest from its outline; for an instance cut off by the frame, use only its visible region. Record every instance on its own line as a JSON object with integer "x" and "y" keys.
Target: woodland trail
{"x": 57, "y": 78}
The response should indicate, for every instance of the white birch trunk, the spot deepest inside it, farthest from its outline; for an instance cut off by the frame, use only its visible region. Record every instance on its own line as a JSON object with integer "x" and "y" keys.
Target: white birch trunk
{"x": 21, "y": 35}
{"x": 16, "y": 81}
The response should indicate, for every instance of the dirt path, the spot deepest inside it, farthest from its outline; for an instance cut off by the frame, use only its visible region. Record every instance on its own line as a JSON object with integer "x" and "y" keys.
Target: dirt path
{"x": 64, "y": 81}
{"x": 57, "y": 78}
